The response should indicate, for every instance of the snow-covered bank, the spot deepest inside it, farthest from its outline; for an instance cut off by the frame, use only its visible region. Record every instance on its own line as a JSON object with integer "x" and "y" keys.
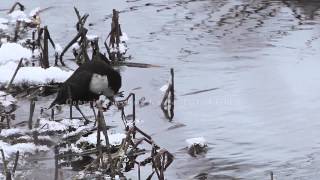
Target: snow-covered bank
{"x": 23, "y": 148}
{"x": 13, "y": 52}
{"x": 32, "y": 75}
{"x": 114, "y": 139}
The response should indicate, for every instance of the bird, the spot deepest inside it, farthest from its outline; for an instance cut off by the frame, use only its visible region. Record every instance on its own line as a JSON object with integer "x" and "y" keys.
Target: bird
{"x": 92, "y": 79}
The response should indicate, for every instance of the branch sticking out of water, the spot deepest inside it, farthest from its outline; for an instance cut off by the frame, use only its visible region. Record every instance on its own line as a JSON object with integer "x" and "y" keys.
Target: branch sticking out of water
{"x": 15, "y": 163}
{"x": 167, "y": 104}
{"x": 14, "y": 7}
{"x": 56, "y": 157}
{"x": 32, "y": 107}
{"x": 5, "y": 169}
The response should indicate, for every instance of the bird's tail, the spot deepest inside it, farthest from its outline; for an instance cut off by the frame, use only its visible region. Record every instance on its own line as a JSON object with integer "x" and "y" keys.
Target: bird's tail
{"x": 53, "y": 103}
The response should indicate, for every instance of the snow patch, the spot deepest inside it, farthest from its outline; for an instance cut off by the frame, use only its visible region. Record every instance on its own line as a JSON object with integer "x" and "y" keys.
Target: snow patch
{"x": 75, "y": 46}
{"x": 3, "y": 26}
{"x": 58, "y": 49}
{"x": 114, "y": 139}
{"x": 13, "y": 131}
{"x": 10, "y": 150}
{"x": 164, "y": 87}
{"x": 35, "y": 75}
{"x": 13, "y": 52}
{"x": 91, "y": 37}
{"x": 124, "y": 37}
{"x": 19, "y": 16}
{"x": 34, "y": 11}
{"x": 201, "y": 141}
{"x": 6, "y": 99}
{"x": 3, "y": 21}
{"x": 122, "y": 48}
{"x": 63, "y": 125}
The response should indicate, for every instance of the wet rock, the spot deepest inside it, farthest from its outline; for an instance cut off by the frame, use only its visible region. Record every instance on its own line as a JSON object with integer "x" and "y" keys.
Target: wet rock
{"x": 143, "y": 102}
{"x": 196, "y": 146}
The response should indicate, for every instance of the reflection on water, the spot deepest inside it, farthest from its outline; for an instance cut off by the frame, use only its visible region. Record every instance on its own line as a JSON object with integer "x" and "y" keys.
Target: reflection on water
{"x": 263, "y": 55}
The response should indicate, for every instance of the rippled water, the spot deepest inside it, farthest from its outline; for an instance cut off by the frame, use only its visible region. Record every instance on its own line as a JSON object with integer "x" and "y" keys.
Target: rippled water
{"x": 263, "y": 56}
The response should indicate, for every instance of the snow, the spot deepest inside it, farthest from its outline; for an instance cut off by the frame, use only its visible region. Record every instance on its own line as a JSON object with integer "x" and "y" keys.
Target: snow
{"x": 13, "y": 131}
{"x": 30, "y": 138}
{"x": 164, "y": 87}
{"x": 3, "y": 40}
{"x": 34, "y": 11}
{"x": 122, "y": 48}
{"x": 3, "y": 26}
{"x": 10, "y": 150}
{"x": 124, "y": 37}
{"x": 198, "y": 140}
{"x": 78, "y": 130}
{"x": 36, "y": 75}
{"x": 58, "y": 48}
{"x": 18, "y": 16}
{"x": 3, "y": 21}
{"x": 91, "y": 37}
{"x": 13, "y": 52}
{"x": 75, "y": 46}
{"x": 102, "y": 101}
{"x": 114, "y": 139}
{"x": 63, "y": 125}
{"x": 6, "y": 99}
{"x": 47, "y": 125}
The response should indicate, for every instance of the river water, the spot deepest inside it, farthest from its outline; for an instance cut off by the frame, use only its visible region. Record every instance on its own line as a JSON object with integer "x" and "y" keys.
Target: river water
{"x": 262, "y": 56}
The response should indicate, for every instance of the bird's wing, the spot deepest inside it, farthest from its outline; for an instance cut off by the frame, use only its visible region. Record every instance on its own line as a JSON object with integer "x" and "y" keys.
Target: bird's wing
{"x": 79, "y": 84}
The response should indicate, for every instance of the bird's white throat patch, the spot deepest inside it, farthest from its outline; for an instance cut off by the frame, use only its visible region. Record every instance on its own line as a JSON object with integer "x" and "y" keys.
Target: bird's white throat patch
{"x": 99, "y": 84}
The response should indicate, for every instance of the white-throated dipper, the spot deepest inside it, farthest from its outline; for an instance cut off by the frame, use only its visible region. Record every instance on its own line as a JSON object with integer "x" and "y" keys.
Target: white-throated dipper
{"x": 87, "y": 83}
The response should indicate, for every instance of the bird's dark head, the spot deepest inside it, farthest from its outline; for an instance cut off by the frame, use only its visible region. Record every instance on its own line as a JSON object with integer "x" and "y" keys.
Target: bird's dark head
{"x": 115, "y": 81}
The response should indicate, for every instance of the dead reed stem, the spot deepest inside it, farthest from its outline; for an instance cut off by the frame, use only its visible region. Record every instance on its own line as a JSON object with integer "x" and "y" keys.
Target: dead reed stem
{"x": 45, "y": 52}
{"x": 5, "y": 169}
{"x": 32, "y": 107}
{"x": 56, "y": 156}
{"x": 15, "y": 163}
{"x": 167, "y": 103}
{"x": 15, "y": 73}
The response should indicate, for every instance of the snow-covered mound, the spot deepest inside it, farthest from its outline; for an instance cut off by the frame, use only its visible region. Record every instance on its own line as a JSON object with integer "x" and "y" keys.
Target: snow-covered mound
{"x": 196, "y": 141}
{"x": 58, "y": 48}
{"x": 19, "y": 15}
{"x": 23, "y": 148}
{"x": 124, "y": 37}
{"x": 34, "y": 11}
{"x": 3, "y": 21}
{"x": 3, "y": 24}
{"x": 13, "y": 52}
{"x": 63, "y": 125}
{"x": 92, "y": 37}
{"x": 196, "y": 146}
{"x": 13, "y": 131}
{"x": 114, "y": 139}
{"x": 6, "y": 99}
{"x": 32, "y": 75}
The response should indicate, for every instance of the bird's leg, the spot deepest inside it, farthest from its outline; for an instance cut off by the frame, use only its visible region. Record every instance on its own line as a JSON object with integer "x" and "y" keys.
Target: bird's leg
{"x": 86, "y": 120}
{"x": 94, "y": 113}
{"x": 109, "y": 105}
{"x": 70, "y": 98}
{"x": 71, "y": 111}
